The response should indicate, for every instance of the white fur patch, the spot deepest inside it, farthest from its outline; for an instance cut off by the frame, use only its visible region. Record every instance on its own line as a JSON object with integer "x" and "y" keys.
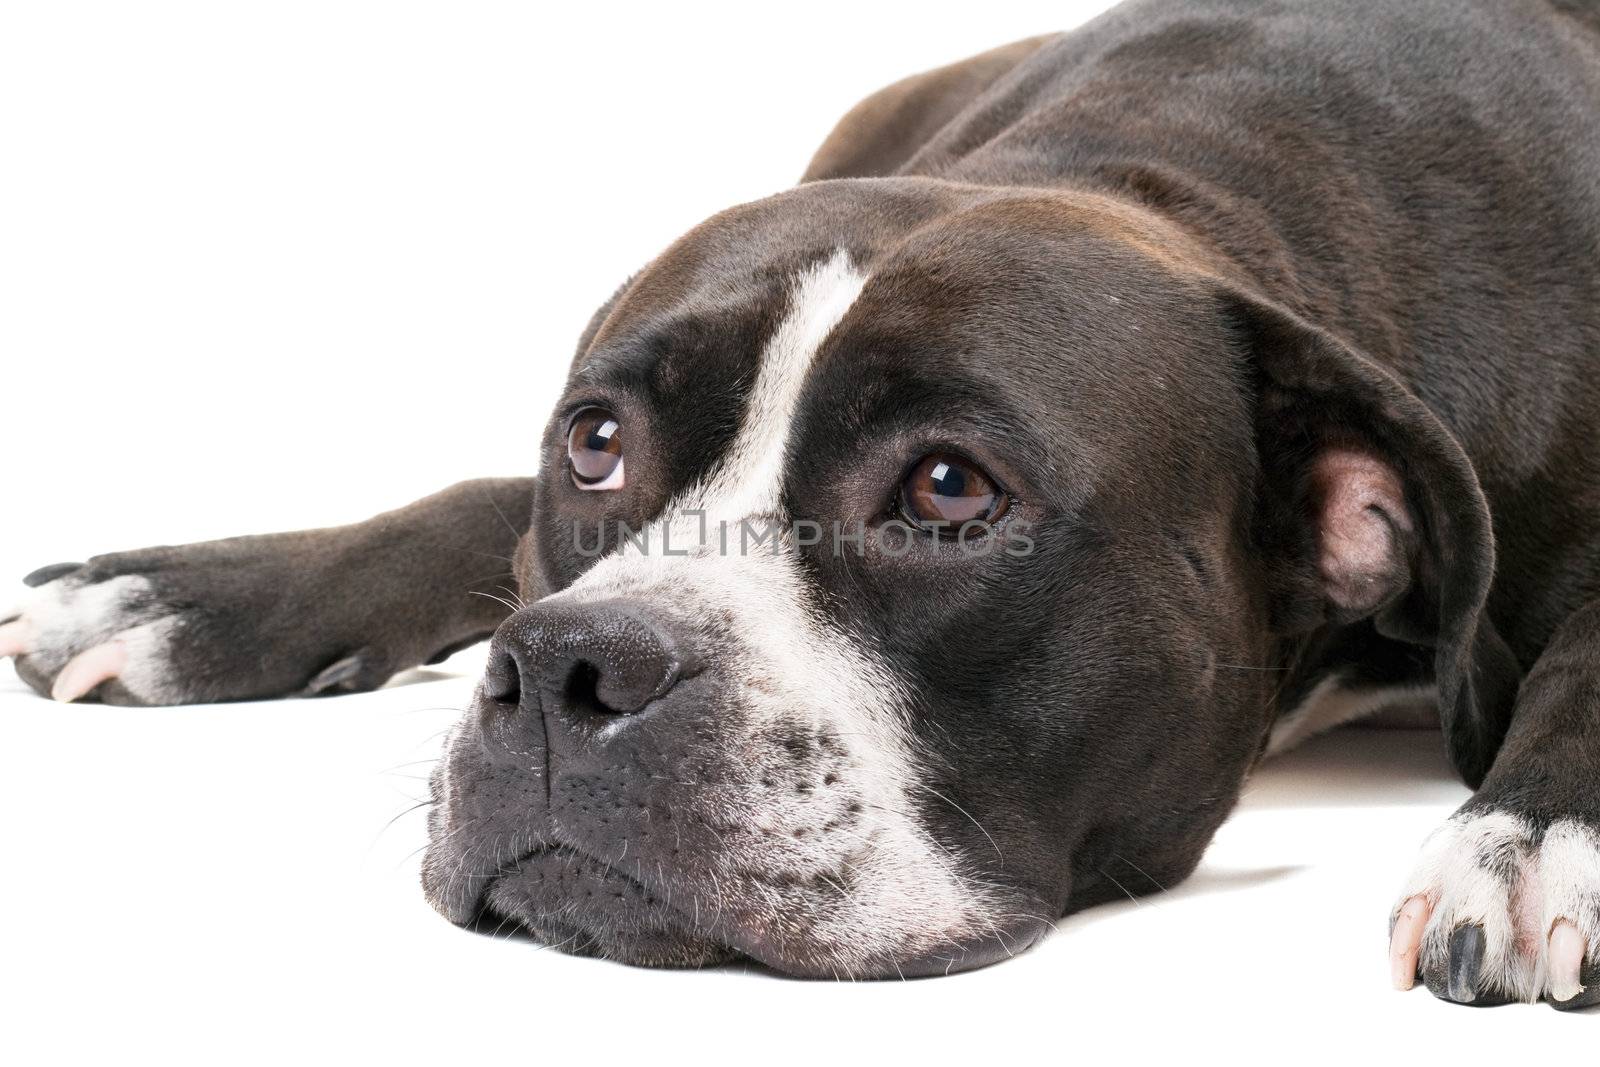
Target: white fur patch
{"x": 750, "y": 477}
{"x": 1331, "y": 704}
{"x": 1463, "y": 873}
{"x": 793, "y": 665}
{"x": 65, "y": 617}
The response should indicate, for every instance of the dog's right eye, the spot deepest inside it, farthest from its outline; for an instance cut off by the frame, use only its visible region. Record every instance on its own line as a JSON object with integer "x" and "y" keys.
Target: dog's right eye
{"x": 594, "y": 449}
{"x": 945, "y": 492}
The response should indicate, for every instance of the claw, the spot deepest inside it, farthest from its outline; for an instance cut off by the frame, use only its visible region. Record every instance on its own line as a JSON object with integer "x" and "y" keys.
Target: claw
{"x": 49, "y": 574}
{"x": 1467, "y": 945}
{"x": 337, "y": 675}
{"x": 1567, "y": 950}
{"x": 16, "y": 639}
{"x": 1405, "y": 941}
{"x": 88, "y": 669}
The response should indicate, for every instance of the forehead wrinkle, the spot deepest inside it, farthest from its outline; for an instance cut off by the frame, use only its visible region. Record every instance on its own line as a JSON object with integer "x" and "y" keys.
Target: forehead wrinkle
{"x": 872, "y": 395}
{"x": 642, "y": 348}
{"x": 749, "y": 481}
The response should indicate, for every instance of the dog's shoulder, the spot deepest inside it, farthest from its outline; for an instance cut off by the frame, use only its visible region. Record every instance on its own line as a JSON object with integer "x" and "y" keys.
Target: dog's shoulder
{"x": 886, "y": 129}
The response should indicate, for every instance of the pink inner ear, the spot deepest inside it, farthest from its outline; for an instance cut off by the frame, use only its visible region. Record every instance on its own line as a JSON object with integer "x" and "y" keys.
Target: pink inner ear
{"x": 1362, "y": 502}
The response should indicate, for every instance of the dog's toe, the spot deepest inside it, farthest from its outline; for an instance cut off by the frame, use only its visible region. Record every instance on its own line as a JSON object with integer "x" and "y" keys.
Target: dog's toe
{"x": 89, "y": 669}
{"x": 1458, "y": 974}
{"x": 1405, "y": 941}
{"x": 1574, "y": 981}
{"x": 16, "y": 637}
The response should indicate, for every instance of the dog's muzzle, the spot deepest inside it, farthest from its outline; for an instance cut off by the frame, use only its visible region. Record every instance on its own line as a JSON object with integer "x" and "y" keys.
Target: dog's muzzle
{"x": 634, "y": 785}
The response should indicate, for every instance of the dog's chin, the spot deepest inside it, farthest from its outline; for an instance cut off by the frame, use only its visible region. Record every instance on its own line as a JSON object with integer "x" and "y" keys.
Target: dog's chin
{"x": 576, "y": 904}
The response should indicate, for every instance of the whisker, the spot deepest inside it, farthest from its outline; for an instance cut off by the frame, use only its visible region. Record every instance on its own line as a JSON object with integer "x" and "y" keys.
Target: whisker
{"x": 497, "y": 599}
{"x": 516, "y": 534}
{"x": 970, "y": 819}
{"x": 1142, "y": 871}
{"x": 404, "y": 813}
{"x": 410, "y": 763}
{"x": 1136, "y": 901}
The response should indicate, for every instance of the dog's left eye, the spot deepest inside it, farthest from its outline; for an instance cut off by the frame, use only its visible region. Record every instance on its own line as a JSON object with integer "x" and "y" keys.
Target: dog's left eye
{"x": 945, "y": 491}
{"x": 594, "y": 449}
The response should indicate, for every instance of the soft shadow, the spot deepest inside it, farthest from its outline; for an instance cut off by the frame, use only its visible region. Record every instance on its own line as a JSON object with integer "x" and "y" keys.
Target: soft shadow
{"x": 419, "y": 675}
{"x": 1222, "y": 879}
{"x": 1358, "y": 767}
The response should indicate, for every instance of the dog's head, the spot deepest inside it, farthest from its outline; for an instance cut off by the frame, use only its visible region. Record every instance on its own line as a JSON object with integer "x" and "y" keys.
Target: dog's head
{"x": 912, "y": 564}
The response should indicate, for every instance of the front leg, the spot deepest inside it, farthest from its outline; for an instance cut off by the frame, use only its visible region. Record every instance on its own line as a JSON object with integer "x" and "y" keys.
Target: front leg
{"x": 1505, "y": 902}
{"x": 339, "y": 609}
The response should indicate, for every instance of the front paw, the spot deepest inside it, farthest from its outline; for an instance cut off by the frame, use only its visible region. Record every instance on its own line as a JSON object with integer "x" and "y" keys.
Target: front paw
{"x": 1503, "y": 908}
{"x": 81, "y": 632}
{"x": 196, "y": 624}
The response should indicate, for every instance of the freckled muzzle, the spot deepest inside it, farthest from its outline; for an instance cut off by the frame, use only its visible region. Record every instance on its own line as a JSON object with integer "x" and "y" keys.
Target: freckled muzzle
{"x": 632, "y": 786}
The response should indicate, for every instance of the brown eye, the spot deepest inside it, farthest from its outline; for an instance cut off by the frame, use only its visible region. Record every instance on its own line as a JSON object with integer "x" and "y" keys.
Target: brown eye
{"x": 944, "y": 490}
{"x": 594, "y": 448}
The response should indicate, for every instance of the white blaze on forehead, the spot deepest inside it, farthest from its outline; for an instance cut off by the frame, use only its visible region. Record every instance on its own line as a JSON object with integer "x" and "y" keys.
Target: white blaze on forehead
{"x": 749, "y": 480}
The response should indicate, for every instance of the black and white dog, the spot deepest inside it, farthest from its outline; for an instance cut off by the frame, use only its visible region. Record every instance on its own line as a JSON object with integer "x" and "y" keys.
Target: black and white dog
{"x": 918, "y": 546}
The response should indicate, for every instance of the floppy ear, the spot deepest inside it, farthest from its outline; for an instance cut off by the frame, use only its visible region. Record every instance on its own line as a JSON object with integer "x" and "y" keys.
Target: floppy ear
{"x": 1370, "y": 509}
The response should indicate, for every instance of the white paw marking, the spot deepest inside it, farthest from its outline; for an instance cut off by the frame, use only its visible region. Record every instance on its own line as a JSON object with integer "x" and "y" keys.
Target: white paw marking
{"x": 1489, "y": 869}
{"x": 66, "y": 617}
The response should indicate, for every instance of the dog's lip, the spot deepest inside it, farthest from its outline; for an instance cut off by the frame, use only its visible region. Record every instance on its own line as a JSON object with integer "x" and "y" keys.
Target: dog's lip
{"x": 556, "y": 848}
{"x": 486, "y": 915}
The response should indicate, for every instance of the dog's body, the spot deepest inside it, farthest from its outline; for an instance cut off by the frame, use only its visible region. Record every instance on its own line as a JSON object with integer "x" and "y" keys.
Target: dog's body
{"x": 1270, "y": 333}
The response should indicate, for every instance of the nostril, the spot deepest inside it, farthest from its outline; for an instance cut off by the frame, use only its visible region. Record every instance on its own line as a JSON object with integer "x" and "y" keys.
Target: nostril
{"x": 502, "y": 682}
{"x": 581, "y": 693}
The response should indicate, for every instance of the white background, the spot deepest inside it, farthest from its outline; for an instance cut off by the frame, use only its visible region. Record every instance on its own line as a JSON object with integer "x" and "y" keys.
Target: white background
{"x": 273, "y": 265}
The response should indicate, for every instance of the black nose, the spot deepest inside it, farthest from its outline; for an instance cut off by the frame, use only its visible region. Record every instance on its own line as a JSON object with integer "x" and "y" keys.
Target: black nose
{"x": 606, "y": 658}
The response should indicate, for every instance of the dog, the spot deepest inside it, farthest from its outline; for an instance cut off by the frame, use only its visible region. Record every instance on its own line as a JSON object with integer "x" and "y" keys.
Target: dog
{"x": 917, "y": 548}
